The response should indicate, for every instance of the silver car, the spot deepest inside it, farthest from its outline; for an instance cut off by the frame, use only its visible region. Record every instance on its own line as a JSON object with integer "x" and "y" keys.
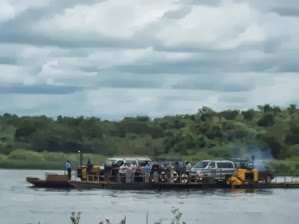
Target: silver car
{"x": 219, "y": 169}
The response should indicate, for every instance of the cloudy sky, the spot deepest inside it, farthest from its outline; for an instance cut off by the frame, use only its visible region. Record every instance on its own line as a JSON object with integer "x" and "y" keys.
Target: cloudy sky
{"x": 116, "y": 58}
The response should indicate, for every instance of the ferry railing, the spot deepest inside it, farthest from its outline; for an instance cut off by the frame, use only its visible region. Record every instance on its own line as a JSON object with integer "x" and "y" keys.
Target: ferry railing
{"x": 173, "y": 177}
{"x": 145, "y": 176}
{"x": 93, "y": 178}
{"x": 170, "y": 177}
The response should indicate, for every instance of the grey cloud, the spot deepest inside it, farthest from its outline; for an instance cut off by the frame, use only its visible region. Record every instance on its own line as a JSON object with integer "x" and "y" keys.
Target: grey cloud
{"x": 269, "y": 45}
{"x": 210, "y": 64}
{"x": 178, "y": 14}
{"x": 19, "y": 31}
{"x": 47, "y": 104}
{"x": 7, "y": 60}
{"x": 141, "y": 82}
{"x": 287, "y": 11}
{"x": 23, "y": 36}
{"x": 38, "y": 89}
{"x": 201, "y": 2}
{"x": 289, "y": 65}
{"x": 283, "y": 8}
{"x": 232, "y": 99}
{"x": 214, "y": 84}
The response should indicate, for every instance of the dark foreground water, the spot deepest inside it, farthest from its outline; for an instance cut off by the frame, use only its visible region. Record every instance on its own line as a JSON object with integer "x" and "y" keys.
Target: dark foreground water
{"x": 20, "y": 203}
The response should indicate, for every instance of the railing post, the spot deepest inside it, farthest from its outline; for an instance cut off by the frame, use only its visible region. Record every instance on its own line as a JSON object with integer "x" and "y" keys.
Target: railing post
{"x": 146, "y": 217}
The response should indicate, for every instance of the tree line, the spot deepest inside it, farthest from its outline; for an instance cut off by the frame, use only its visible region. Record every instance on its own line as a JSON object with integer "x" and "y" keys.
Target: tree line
{"x": 271, "y": 130}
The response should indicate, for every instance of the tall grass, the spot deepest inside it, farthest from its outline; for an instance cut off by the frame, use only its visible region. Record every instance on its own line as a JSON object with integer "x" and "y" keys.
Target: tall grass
{"x": 176, "y": 218}
{"x": 25, "y": 159}
{"x": 285, "y": 167}
{"x": 194, "y": 158}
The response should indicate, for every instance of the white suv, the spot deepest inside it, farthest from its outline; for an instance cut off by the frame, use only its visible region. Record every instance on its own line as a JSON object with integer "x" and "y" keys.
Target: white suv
{"x": 219, "y": 169}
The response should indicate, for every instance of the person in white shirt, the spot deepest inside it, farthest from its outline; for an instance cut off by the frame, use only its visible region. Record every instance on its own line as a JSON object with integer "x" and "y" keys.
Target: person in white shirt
{"x": 188, "y": 167}
{"x": 123, "y": 169}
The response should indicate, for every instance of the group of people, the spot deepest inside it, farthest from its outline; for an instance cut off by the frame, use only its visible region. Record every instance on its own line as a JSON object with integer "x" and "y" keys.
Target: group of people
{"x": 68, "y": 168}
{"x": 135, "y": 170}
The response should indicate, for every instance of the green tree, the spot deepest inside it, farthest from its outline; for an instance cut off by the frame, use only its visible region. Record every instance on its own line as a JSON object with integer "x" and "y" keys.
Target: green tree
{"x": 249, "y": 114}
{"x": 266, "y": 121}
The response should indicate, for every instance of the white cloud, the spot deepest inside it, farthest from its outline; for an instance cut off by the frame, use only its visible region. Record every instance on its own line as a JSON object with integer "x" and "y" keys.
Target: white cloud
{"x": 114, "y": 58}
{"x": 7, "y": 11}
{"x": 117, "y": 19}
{"x": 224, "y": 27}
{"x": 12, "y": 74}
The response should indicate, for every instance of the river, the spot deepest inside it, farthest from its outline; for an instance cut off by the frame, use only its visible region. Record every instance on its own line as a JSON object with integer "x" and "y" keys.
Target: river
{"x": 23, "y": 204}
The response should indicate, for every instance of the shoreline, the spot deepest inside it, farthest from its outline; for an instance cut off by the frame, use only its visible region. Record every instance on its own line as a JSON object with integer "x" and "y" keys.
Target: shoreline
{"x": 281, "y": 167}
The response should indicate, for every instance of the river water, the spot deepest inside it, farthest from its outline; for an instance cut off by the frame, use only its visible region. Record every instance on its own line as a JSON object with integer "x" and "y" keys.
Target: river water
{"x": 22, "y": 204}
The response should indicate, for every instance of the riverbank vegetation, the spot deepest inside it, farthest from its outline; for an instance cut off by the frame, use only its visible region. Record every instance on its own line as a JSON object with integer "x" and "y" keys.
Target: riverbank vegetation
{"x": 268, "y": 132}
{"x": 176, "y": 218}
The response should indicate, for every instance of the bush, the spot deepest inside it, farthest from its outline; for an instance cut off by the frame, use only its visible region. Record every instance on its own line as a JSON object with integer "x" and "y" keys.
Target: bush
{"x": 197, "y": 157}
{"x": 26, "y": 164}
{"x": 295, "y": 158}
{"x": 266, "y": 121}
{"x": 220, "y": 152}
{"x": 2, "y": 157}
{"x": 21, "y": 154}
{"x": 54, "y": 156}
{"x": 281, "y": 167}
{"x": 294, "y": 151}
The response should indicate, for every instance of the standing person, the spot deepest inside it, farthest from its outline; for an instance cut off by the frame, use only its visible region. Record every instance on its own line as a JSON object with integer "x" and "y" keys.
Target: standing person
{"x": 188, "y": 167}
{"x": 68, "y": 167}
{"x": 147, "y": 168}
{"x": 122, "y": 172}
{"x": 89, "y": 166}
{"x": 138, "y": 173}
{"x": 133, "y": 170}
{"x": 114, "y": 172}
{"x": 147, "y": 172}
{"x": 107, "y": 171}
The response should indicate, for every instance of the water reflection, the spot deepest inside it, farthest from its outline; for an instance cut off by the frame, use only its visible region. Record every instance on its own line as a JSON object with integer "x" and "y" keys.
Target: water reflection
{"x": 33, "y": 205}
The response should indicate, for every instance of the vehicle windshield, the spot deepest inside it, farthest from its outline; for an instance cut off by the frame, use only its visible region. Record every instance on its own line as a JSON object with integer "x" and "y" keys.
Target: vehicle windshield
{"x": 110, "y": 161}
{"x": 201, "y": 164}
{"x": 130, "y": 161}
{"x": 142, "y": 162}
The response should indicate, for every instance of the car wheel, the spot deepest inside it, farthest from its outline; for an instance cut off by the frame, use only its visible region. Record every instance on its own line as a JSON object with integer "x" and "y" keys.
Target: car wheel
{"x": 268, "y": 179}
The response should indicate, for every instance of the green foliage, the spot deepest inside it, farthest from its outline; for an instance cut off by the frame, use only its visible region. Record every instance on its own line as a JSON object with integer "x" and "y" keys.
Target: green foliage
{"x": 266, "y": 121}
{"x": 176, "y": 218}
{"x": 221, "y": 152}
{"x": 2, "y": 157}
{"x": 206, "y": 134}
{"x": 54, "y": 156}
{"x": 229, "y": 114}
{"x": 46, "y": 160}
{"x": 281, "y": 167}
{"x": 75, "y": 217}
{"x": 21, "y": 154}
{"x": 249, "y": 114}
{"x": 276, "y": 146}
{"x": 285, "y": 167}
{"x": 294, "y": 151}
{"x": 292, "y": 136}
{"x": 31, "y": 164}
